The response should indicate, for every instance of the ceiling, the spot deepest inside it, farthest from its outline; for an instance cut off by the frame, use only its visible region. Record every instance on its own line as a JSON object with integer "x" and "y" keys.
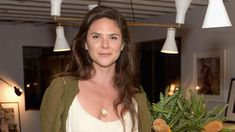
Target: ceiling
{"x": 38, "y": 11}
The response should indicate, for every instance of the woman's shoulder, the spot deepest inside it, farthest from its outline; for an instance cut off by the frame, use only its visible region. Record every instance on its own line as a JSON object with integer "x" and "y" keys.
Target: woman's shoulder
{"x": 139, "y": 91}
{"x": 61, "y": 85}
{"x": 63, "y": 80}
{"x": 58, "y": 83}
{"x": 140, "y": 94}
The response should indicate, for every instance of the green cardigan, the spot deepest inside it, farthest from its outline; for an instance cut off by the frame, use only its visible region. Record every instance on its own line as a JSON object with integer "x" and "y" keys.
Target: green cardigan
{"x": 58, "y": 98}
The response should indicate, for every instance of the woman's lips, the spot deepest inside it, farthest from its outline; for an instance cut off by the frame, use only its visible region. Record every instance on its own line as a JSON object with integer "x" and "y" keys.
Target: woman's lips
{"x": 104, "y": 54}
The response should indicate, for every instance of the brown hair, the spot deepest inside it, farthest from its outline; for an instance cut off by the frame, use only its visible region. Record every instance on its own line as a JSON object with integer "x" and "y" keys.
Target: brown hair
{"x": 126, "y": 79}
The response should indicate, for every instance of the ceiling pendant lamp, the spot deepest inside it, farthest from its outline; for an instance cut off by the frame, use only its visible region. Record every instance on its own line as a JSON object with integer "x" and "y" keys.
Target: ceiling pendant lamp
{"x": 90, "y": 7}
{"x": 216, "y": 15}
{"x": 55, "y": 7}
{"x": 169, "y": 46}
{"x": 61, "y": 43}
{"x": 181, "y": 10}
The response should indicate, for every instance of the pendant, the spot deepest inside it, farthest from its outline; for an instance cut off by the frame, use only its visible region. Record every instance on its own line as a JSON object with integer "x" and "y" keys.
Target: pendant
{"x": 104, "y": 112}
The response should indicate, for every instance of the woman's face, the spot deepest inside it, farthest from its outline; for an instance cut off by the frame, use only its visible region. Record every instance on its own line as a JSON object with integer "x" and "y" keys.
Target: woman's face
{"x": 104, "y": 42}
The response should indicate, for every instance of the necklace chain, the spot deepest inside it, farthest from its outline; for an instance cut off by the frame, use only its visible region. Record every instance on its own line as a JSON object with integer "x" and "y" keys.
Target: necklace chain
{"x": 104, "y": 112}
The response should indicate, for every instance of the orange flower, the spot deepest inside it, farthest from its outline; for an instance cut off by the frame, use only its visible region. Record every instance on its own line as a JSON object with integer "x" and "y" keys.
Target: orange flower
{"x": 159, "y": 125}
{"x": 213, "y": 126}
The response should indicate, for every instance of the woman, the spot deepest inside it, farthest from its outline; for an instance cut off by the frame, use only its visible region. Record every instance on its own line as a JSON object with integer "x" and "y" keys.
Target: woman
{"x": 100, "y": 91}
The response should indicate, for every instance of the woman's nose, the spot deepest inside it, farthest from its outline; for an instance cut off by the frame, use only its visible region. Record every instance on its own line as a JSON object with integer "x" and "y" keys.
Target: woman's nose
{"x": 105, "y": 43}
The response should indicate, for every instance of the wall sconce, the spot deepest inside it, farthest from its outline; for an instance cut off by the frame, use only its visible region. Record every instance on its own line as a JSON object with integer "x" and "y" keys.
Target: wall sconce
{"x": 18, "y": 91}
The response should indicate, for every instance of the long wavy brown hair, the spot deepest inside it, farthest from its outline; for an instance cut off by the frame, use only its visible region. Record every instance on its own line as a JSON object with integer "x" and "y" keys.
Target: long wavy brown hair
{"x": 126, "y": 79}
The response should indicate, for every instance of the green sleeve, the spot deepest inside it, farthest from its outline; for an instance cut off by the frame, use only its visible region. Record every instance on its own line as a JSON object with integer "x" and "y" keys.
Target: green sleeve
{"x": 52, "y": 106}
{"x": 144, "y": 113}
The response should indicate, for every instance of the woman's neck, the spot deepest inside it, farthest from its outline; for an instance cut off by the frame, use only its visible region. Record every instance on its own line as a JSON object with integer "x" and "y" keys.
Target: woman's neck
{"x": 103, "y": 76}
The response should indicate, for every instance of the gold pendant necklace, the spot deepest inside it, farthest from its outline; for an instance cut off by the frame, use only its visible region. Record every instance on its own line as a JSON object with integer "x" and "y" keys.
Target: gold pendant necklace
{"x": 104, "y": 112}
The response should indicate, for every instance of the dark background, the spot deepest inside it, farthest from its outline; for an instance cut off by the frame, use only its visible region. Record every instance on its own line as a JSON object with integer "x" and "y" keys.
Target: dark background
{"x": 40, "y": 64}
{"x": 158, "y": 70}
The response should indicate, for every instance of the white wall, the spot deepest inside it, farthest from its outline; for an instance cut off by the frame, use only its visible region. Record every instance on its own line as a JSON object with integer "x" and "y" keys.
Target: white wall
{"x": 12, "y": 38}
{"x": 195, "y": 39}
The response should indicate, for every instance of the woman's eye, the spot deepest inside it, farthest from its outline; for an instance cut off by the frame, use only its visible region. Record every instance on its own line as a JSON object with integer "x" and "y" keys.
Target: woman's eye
{"x": 95, "y": 37}
{"x": 114, "y": 38}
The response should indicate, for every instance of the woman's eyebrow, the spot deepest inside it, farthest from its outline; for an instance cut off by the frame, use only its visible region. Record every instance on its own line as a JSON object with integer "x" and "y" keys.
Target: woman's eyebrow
{"x": 114, "y": 34}
{"x": 95, "y": 33}
{"x": 111, "y": 34}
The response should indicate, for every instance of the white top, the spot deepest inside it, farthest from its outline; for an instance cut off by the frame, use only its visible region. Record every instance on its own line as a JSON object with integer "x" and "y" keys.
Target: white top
{"x": 81, "y": 121}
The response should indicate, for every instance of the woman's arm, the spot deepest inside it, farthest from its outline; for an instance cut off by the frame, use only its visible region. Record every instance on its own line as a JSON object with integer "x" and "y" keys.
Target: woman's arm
{"x": 52, "y": 106}
{"x": 144, "y": 113}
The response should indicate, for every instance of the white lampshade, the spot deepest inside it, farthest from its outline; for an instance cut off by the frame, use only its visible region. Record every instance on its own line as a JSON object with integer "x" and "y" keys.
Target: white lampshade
{"x": 90, "y": 7}
{"x": 55, "y": 7}
{"x": 61, "y": 43}
{"x": 181, "y": 10}
{"x": 216, "y": 15}
{"x": 169, "y": 46}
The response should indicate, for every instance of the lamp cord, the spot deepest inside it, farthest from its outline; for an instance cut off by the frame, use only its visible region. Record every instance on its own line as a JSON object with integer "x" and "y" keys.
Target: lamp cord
{"x": 132, "y": 10}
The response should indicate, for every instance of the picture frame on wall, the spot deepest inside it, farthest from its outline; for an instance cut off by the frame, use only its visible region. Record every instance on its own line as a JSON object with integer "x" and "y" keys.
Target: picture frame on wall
{"x": 10, "y": 116}
{"x": 210, "y": 74}
{"x": 230, "y": 112}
